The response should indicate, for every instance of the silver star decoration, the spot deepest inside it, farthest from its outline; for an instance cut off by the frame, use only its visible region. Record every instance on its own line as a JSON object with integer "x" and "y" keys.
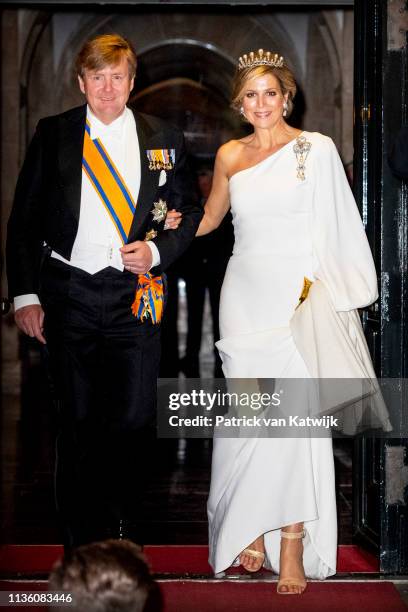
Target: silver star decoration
{"x": 159, "y": 211}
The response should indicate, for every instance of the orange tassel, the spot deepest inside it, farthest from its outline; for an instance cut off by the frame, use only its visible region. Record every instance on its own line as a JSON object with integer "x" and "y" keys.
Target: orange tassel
{"x": 149, "y": 297}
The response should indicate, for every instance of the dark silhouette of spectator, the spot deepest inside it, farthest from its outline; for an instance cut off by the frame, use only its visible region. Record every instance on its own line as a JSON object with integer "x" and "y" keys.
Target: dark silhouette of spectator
{"x": 170, "y": 358}
{"x": 398, "y": 155}
{"x": 169, "y": 363}
{"x": 204, "y": 265}
{"x": 109, "y": 576}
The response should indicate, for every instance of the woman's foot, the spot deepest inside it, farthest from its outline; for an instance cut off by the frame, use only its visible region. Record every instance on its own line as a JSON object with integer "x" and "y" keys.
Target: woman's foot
{"x": 292, "y": 579}
{"x": 252, "y": 558}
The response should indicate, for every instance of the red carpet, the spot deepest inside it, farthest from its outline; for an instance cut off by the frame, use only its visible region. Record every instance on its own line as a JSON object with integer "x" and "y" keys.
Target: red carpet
{"x": 261, "y": 597}
{"x": 222, "y": 596}
{"x": 201, "y": 596}
{"x": 163, "y": 559}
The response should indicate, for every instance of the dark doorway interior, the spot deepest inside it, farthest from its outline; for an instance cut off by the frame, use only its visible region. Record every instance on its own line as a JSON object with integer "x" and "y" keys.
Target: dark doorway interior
{"x": 189, "y": 85}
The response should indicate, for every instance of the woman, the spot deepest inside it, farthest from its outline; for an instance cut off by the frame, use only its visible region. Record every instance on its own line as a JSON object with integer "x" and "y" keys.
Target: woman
{"x": 272, "y": 501}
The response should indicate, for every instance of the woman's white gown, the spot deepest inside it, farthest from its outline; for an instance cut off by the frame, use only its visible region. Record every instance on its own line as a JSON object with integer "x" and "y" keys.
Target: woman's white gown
{"x": 285, "y": 229}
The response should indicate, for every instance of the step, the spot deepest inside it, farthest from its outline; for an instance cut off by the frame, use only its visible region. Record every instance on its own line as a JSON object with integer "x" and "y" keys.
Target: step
{"x": 177, "y": 560}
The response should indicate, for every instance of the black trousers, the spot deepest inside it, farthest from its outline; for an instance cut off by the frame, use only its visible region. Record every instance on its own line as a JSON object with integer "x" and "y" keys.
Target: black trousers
{"x": 104, "y": 364}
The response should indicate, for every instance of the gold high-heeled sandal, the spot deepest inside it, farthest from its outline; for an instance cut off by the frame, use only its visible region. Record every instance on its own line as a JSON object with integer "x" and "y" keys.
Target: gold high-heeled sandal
{"x": 288, "y": 582}
{"x": 255, "y": 554}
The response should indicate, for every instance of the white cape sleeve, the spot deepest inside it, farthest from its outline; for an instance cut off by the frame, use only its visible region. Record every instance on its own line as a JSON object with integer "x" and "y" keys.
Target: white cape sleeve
{"x": 342, "y": 255}
{"x": 326, "y": 327}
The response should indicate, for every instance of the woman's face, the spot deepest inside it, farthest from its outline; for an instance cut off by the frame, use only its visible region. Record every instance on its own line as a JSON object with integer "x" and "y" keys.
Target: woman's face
{"x": 263, "y": 101}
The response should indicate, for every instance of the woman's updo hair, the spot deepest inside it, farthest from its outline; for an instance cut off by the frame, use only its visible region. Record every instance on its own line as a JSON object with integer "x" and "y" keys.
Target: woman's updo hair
{"x": 283, "y": 74}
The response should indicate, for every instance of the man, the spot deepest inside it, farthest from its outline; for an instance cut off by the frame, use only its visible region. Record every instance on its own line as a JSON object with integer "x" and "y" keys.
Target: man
{"x": 106, "y": 576}
{"x": 85, "y": 252}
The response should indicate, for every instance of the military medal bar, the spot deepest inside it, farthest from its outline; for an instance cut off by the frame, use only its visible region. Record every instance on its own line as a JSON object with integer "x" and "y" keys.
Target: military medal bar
{"x": 161, "y": 159}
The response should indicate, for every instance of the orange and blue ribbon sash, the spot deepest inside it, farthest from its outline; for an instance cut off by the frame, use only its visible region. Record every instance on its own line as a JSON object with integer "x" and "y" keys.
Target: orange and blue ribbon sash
{"x": 108, "y": 183}
{"x": 118, "y": 202}
{"x": 149, "y": 298}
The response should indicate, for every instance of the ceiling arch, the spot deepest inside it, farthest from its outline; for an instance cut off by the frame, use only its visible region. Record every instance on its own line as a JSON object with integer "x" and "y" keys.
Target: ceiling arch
{"x": 205, "y": 44}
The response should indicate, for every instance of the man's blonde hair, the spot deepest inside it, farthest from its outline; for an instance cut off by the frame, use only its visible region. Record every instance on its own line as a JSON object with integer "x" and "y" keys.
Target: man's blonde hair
{"x": 105, "y": 50}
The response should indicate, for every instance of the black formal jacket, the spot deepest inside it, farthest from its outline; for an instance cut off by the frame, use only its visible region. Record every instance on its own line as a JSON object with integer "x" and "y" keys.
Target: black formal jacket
{"x": 48, "y": 195}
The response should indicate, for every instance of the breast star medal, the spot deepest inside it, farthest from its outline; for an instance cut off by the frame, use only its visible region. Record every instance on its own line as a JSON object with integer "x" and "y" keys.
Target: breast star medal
{"x": 150, "y": 234}
{"x": 159, "y": 211}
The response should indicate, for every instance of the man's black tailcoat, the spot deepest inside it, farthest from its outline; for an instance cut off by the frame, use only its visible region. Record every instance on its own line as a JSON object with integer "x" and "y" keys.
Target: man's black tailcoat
{"x": 48, "y": 195}
{"x": 103, "y": 360}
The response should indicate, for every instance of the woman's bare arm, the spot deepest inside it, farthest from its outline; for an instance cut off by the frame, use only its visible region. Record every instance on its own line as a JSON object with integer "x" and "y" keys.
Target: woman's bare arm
{"x": 218, "y": 203}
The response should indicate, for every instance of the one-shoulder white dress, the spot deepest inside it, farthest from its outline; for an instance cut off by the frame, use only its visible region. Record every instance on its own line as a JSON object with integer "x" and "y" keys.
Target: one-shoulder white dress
{"x": 286, "y": 229}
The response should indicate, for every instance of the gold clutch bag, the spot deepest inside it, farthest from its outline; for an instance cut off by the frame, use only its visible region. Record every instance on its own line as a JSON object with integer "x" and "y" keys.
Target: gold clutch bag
{"x": 305, "y": 290}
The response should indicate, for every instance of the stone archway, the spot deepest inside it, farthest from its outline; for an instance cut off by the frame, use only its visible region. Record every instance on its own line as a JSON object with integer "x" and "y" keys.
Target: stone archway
{"x": 188, "y": 84}
{"x": 323, "y": 68}
{"x": 220, "y": 35}
{"x": 40, "y": 46}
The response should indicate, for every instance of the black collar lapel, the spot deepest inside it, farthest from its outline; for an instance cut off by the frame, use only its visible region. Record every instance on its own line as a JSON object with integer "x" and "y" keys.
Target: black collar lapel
{"x": 70, "y": 149}
{"x": 148, "y": 178}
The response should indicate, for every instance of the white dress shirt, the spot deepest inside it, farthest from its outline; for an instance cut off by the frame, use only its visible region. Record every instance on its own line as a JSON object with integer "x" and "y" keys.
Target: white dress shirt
{"x": 97, "y": 242}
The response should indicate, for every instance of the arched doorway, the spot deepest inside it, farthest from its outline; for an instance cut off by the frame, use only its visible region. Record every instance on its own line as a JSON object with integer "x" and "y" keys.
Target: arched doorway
{"x": 188, "y": 84}
{"x": 196, "y": 94}
{"x": 196, "y": 45}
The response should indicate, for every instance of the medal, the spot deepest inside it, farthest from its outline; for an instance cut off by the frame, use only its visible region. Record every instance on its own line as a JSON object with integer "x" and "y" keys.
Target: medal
{"x": 161, "y": 159}
{"x": 159, "y": 211}
{"x": 150, "y": 234}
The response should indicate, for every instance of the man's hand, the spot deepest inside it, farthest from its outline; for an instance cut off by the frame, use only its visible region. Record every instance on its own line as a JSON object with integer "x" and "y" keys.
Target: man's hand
{"x": 137, "y": 257}
{"x": 30, "y": 319}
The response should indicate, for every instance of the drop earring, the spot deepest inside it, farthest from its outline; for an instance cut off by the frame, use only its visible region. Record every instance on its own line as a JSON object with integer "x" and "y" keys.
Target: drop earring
{"x": 285, "y": 109}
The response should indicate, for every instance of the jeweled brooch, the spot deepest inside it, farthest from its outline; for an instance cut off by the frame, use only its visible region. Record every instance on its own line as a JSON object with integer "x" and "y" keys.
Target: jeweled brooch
{"x": 159, "y": 211}
{"x": 301, "y": 149}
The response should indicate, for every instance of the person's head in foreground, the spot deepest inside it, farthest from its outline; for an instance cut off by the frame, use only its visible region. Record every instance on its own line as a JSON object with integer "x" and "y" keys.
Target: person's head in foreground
{"x": 109, "y": 576}
{"x": 106, "y": 68}
{"x": 263, "y": 89}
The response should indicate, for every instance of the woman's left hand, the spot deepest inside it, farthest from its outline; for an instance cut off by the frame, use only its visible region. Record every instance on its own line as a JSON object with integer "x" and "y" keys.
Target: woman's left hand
{"x": 173, "y": 219}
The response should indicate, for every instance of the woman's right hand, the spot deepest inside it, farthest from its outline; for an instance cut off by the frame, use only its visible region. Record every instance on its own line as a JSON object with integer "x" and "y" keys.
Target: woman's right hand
{"x": 173, "y": 219}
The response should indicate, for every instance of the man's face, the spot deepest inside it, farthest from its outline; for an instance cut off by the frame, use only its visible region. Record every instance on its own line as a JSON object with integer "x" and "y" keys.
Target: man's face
{"x": 107, "y": 90}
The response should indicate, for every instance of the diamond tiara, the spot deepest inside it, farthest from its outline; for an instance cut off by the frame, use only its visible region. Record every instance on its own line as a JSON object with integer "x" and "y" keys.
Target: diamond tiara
{"x": 260, "y": 58}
